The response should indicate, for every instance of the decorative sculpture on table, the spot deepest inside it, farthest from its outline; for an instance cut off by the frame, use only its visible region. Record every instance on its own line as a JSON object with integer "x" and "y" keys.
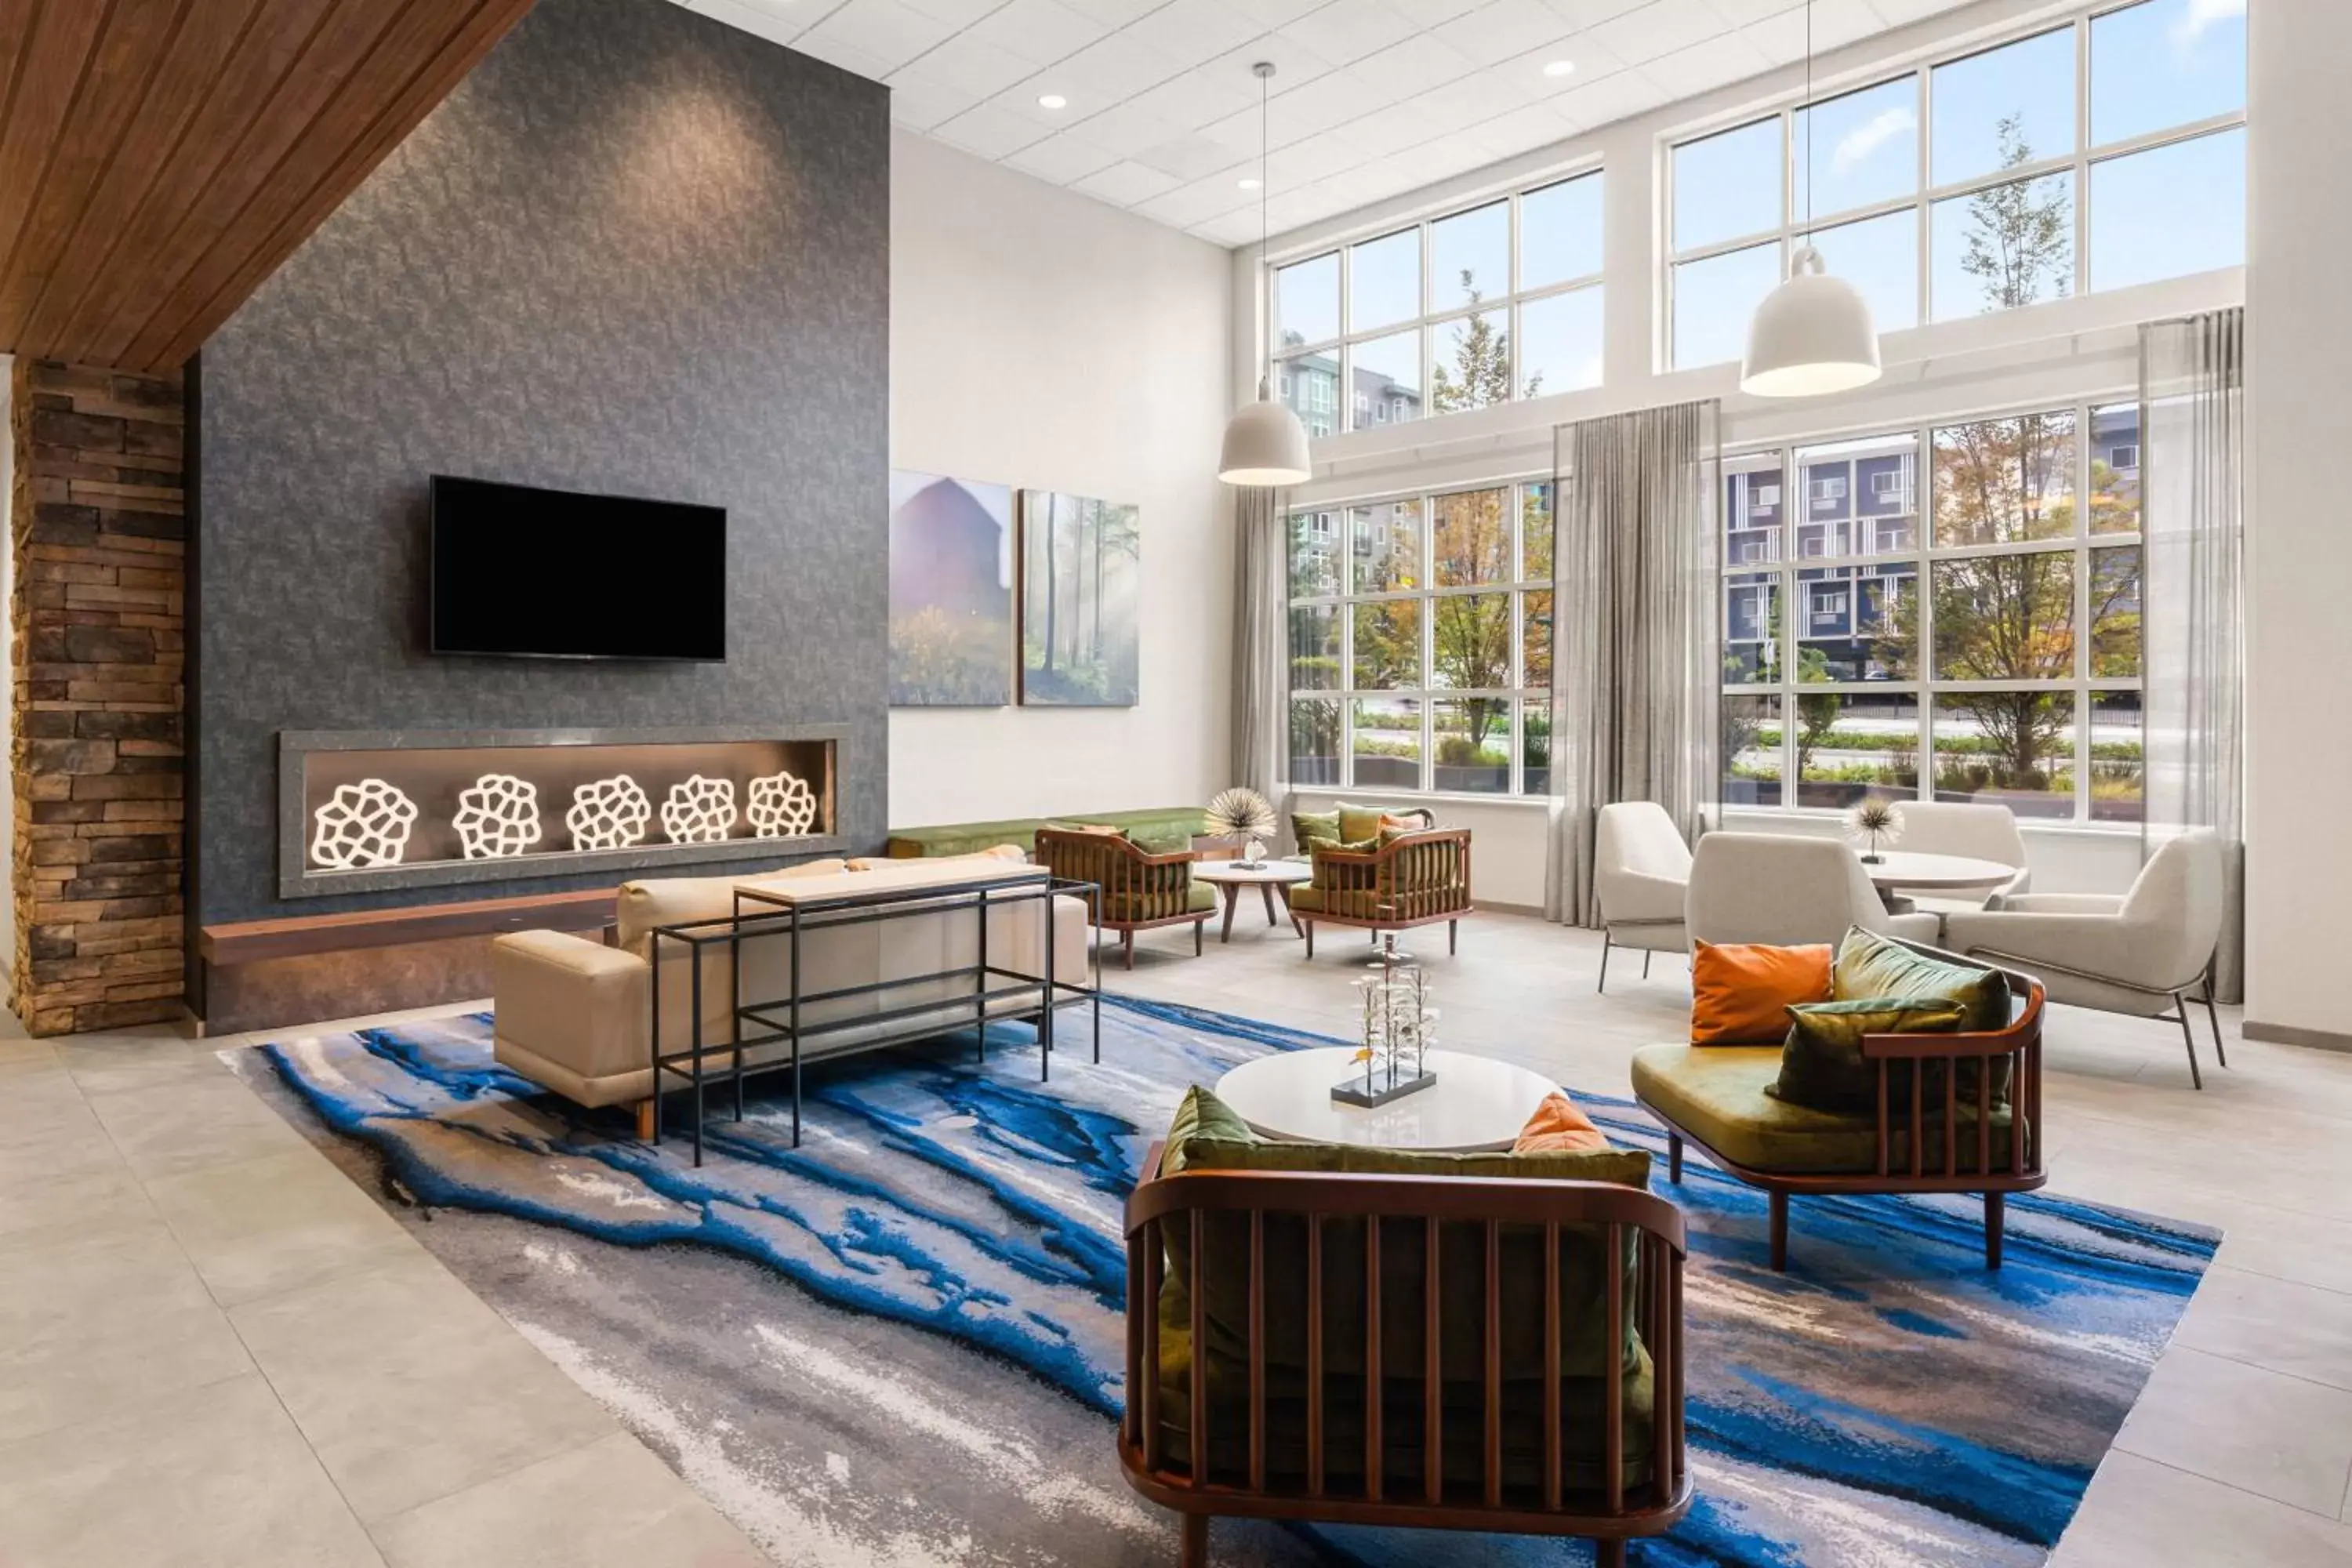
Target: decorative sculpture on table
{"x": 1244, "y": 814}
{"x": 497, "y": 815}
{"x": 781, "y": 806}
{"x": 1873, "y": 824}
{"x": 362, "y": 825}
{"x": 699, "y": 810}
{"x": 1399, "y": 1031}
{"x": 608, "y": 813}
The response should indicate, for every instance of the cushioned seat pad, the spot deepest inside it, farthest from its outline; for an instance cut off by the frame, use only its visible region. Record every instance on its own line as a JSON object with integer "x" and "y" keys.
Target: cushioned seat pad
{"x": 1716, "y": 1093}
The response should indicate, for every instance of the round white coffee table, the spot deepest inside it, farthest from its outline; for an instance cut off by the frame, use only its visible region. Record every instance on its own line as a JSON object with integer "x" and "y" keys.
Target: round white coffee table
{"x": 1896, "y": 869}
{"x": 1475, "y": 1103}
{"x": 1935, "y": 873}
{"x": 1230, "y": 876}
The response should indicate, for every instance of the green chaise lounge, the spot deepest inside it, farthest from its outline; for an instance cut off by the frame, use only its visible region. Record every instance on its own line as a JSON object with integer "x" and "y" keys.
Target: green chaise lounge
{"x": 1917, "y": 1140}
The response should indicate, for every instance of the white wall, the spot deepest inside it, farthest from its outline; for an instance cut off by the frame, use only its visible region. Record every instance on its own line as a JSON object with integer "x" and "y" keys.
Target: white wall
{"x": 2299, "y": 836}
{"x": 1043, "y": 340}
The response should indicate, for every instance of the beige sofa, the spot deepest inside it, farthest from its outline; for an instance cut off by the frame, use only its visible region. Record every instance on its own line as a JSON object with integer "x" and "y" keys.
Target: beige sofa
{"x": 574, "y": 1016}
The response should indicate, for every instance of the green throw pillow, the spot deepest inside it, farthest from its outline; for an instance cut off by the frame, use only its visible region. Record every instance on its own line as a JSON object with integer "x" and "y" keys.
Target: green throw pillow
{"x": 1821, "y": 1064}
{"x": 1869, "y": 965}
{"x": 1315, "y": 826}
{"x": 1160, "y": 843}
{"x": 1201, "y": 1116}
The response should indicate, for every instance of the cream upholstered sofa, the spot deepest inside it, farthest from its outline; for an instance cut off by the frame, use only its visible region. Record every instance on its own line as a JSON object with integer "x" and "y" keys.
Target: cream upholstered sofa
{"x": 575, "y": 1016}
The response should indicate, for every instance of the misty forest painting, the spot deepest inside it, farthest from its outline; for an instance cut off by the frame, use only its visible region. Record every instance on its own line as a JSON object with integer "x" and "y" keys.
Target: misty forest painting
{"x": 1080, "y": 633}
{"x": 950, "y": 593}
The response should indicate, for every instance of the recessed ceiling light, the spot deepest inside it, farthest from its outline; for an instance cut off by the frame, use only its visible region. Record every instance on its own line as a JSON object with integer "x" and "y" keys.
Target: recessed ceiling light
{"x": 1558, "y": 68}
{"x": 1053, "y": 100}
{"x": 1248, "y": 184}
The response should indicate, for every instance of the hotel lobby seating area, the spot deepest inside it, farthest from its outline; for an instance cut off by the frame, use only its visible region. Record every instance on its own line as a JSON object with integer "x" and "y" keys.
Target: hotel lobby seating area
{"x": 740, "y": 730}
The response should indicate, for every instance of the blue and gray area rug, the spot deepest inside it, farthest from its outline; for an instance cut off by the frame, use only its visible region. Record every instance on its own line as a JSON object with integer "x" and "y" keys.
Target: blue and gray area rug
{"x": 899, "y": 1346}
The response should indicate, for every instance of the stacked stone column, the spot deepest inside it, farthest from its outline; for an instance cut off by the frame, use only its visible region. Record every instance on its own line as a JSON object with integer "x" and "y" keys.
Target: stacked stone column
{"x": 98, "y": 718}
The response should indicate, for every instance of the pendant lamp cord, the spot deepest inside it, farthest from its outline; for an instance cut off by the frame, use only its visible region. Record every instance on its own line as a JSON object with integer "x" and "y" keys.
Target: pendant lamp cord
{"x": 1809, "y": 121}
{"x": 1265, "y": 70}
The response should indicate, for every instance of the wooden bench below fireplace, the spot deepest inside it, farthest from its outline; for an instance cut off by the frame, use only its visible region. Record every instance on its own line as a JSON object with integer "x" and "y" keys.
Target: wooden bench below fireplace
{"x": 302, "y": 969}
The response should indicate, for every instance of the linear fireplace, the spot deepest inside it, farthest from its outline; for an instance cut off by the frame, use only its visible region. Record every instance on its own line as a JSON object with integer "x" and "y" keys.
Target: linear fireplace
{"x": 403, "y": 808}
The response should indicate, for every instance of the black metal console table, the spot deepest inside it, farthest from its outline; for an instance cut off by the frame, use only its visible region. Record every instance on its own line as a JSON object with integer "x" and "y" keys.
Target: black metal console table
{"x": 784, "y": 918}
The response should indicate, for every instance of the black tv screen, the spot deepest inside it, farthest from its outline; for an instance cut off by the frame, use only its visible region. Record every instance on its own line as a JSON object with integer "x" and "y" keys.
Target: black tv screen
{"x": 537, "y": 573}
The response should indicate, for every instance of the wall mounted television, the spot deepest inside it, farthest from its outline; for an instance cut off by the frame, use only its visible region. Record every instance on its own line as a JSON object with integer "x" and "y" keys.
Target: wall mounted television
{"x": 524, "y": 573}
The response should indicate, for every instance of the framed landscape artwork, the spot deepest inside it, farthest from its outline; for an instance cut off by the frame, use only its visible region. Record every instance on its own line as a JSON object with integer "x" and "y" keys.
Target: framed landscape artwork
{"x": 1080, "y": 631}
{"x": 950, "y": 592}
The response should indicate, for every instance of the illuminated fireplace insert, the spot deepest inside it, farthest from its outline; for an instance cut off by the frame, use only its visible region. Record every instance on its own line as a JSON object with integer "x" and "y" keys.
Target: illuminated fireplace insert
{"x": 371, "y": 809}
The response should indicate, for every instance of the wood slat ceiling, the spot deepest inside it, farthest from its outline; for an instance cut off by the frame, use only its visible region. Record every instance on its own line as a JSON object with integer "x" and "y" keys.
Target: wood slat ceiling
{"x": 159, "y": 158}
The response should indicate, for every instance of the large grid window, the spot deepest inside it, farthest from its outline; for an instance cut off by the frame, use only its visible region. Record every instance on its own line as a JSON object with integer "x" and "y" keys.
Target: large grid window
{"x": 1946, "y": 612}
{"x": 1421, "y": 643}
{"x": 1498, "y": 301}
{"x": 2102, "y": 153}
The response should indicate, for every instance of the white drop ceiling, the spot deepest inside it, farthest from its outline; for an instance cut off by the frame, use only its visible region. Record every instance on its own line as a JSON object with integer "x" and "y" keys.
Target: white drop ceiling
{"x": 1371, "y": 98}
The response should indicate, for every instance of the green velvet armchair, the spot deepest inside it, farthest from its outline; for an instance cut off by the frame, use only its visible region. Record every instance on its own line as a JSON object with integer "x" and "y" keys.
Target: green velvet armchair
{"x": 1135, "y": 888}
{"x": 1482, "y": 1351}
{"x": 1414, "y": 879}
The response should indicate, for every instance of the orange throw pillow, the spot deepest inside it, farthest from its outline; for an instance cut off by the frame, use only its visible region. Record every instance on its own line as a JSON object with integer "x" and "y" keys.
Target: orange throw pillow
{"x": 1740, "y": 995}
{"x": 1557, "y": 1127}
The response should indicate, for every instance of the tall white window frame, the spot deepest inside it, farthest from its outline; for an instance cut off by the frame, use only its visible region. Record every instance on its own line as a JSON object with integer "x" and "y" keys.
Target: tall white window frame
{"x": 1336, "y": 356}
{"x": 2076, "y": 166}
{"x": 2095, "y": 766}
{"x": 1339, "y": 711}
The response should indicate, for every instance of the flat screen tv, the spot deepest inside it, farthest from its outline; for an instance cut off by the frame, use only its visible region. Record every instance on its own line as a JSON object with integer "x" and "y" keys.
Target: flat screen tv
{"x": 533, "y": 573}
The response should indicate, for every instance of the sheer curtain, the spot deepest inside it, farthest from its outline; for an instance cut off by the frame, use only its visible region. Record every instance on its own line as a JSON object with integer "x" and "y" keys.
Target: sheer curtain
{"x": 1261, "y": 600}
{"x": 1637, "y": 675}
{"x": 2192, "y": 619}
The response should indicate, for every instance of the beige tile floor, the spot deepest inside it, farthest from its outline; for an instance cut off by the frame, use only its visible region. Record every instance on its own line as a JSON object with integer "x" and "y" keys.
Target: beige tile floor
{"x": 215, "y": 1349}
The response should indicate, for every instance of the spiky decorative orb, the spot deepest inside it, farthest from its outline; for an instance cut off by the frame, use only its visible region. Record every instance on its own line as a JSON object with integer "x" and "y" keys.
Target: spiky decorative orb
{"x": 1874, "y": 823}
{"x": 1241, "y": 811}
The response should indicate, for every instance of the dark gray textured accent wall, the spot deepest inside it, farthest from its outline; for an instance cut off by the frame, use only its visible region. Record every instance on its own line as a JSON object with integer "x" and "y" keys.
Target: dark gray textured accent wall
{"x": 636, "y": 251}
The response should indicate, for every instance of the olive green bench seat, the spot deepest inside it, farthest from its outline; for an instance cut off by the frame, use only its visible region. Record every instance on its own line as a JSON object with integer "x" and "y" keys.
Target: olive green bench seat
{"x": 1167, "y": 827}
{"x": 1983, "y": 1140}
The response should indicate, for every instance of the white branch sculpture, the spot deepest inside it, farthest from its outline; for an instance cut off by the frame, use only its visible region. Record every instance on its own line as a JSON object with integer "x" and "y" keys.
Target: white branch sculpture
{"x": 497, "y": 815}
{"x": 362, "y": 825}
{"x": 699, "y": 810}
{"x": 781, "y": 806}
{"x": 609, "y": 813}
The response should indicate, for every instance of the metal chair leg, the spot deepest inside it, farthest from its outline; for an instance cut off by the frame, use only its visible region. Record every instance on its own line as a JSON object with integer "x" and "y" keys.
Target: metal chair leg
{"x": 2188, "y": 1036}
{"x": 1603, "y": 987}
{"x": 2213, "y": 1016}
{"x": 1646, "y": 964}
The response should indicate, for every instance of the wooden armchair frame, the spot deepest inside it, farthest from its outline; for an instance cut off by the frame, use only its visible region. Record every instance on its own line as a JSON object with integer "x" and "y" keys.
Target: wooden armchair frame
{"x": 2020, "y": 1044}
{"x": 1123, "y": 872}
{"x": 1414, "y": 879}
{"x": 1649, "y": 1508}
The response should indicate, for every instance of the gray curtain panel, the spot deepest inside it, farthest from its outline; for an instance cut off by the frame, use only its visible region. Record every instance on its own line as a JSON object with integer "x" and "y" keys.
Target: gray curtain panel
{"x": 1260, "y": 655}
{"x": 2192, "y": 579}
{"x": 1637, "y": 673}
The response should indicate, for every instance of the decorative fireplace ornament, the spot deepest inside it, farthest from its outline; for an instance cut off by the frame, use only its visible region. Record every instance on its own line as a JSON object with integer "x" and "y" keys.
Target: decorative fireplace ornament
{"x": 699, "y": 810}
{"x": 608, "y": 813}
{"x": 497, "y": 815}
{"x": 781, "y": 806}
{"x": 362, "y": 825}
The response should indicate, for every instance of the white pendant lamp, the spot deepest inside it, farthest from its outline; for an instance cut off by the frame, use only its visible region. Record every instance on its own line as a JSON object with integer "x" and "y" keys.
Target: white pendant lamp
{"x": 1814, "y": 333}
{"x": 1265, "y": 443}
